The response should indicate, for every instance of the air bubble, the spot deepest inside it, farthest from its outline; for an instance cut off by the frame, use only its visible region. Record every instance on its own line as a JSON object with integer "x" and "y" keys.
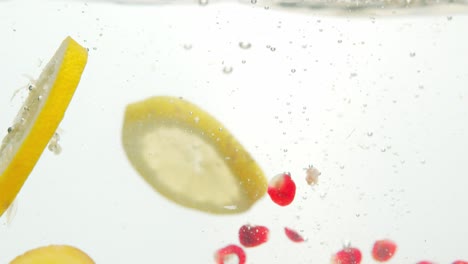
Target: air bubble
{"x": 293, "y": 70}
{"x": 187, "y": 46}
{"x": 412, "y": 54}
{"x": 245, "y": 45}
{"x": 227, "y": 69}
{"x": 370, "y": 134}
{"x": 203, "y": 2}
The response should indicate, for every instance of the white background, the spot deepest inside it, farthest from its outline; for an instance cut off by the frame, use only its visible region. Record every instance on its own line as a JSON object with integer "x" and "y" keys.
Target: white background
{"x": 377, "y": 103}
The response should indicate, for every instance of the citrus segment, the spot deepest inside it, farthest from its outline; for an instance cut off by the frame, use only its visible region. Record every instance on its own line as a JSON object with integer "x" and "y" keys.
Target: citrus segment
{"x": 38, "y": 118}
{"x": 54, "y": 254}
{"x": 189, "y": 157}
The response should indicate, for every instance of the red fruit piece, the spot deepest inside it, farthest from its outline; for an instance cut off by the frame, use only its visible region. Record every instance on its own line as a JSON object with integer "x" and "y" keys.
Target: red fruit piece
{"x": 293, "y": 235}
{"x": 348, "y": 255}
{"x": 228, "y": 251}
{"x": 383, "y": 250}
{"x": 252, "y": 236}
{"x": 282, "y": 189}
{"x": 460, "y": 262}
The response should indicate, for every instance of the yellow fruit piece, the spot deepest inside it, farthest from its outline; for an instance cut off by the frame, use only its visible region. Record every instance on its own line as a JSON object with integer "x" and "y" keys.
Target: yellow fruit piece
{"x": 189, "y": 157}
{"x": 54, "y": 254}
{"x": 39, "y": 117}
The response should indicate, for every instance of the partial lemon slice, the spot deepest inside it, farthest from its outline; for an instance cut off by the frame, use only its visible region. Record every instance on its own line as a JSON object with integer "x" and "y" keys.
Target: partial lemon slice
{"x": 39, "y": 117}
{"x": 54, "y": 254}
{"x": 189, "y": 157}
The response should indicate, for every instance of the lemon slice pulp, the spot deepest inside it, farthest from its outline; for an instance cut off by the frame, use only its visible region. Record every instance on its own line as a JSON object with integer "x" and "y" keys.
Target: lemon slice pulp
{"x": 38, "y": 118}
{"x": 54, "y": 254}
{"x": 189, "y": 157}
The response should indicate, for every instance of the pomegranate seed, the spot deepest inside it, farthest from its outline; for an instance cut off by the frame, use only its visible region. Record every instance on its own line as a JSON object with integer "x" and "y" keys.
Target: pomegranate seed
{"x": 460, "y": 262}
{"x": 424, "y": 262}
{"x": 252, "y": 236}
{"x": 383, "y": 250}
{"x": 228, "y": 251}
{"x": 282, "y": 189}
{"x": 348, "y": 255}
{"x": 293, "y": 235}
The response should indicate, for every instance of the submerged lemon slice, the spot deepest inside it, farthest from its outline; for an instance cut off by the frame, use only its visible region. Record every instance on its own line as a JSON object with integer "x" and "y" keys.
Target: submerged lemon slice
{"x": 54, "y": 254}
{"x": 189, "y": 157}
{"x": 39, "y": 117}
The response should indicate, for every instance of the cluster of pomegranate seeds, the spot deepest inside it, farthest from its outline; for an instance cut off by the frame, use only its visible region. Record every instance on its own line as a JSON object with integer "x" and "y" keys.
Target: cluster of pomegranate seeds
{"x": 252, "y": 236}
{"x": 282, "y": 189}
{"x": 229, "y": 251}
{"x": 348, "y": 255}
{"x": 293, "y": 235}
{"x": 383, "y": 250}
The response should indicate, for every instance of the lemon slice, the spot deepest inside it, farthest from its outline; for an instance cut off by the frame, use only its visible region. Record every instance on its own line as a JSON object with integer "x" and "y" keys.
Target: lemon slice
{"x": 54, "y": 254}
{"x": 39, "y": 117}
{"x": 189, "y": 157}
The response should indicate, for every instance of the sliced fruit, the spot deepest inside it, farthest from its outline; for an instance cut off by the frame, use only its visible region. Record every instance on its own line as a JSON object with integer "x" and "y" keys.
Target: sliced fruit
{"x": 252, "y": 236}
{"x": 293, "y": 235}
{"x": 39, "y": 117}
{"x": 348, "y": 255}
{"x": 230, "y": 251}
{"x": 383, "y": 250}
{"x": 54, "y": 254}
{"x": 282, "y": 189}
{"x": 189, "y": 157}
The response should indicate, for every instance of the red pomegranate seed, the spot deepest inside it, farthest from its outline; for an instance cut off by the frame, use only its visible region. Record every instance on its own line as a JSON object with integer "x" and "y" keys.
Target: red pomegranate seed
{"x": 348, "y": 255}
{"x": 282, "y": 189}
{"x": 228, "y": 251}
{"x": 293, "y": 235}
{"x": 424, "y": 262}
{"x": 460, "y": 262}
{"x": 252, "y": 236}
{"x": 383, "y": 250}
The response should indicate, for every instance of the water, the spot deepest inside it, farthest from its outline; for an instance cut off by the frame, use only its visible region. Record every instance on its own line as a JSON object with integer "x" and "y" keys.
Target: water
{"x": 339, "y": 91}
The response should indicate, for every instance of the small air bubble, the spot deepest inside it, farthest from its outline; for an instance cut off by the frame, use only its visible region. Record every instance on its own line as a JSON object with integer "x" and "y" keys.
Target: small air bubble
{"x": 412, "y": 54}
{"x": 342, "y": 166}
{"x": 272, "y": 48}
{"x": 340, "y": 41}
{"x": 423, "y": 162}
{"x": 39, "y": 98}
{"x": 370, "y": 134}
{"x": 285, "y": 150}
{"x": 203, "y": 2}
{"x": 227, "y": 69}
{"x": 243, "y": 61}
{"x": 293, "y": 70}
{"x": 245, "y": 45}
{"x": 30, "y": 87}
{"x": 253, "y": 2}
{"x": 187, "y": 46}
{"x": 449, "y": 18}
{"x": 9, "y": 129}
{"x": 196, "y": 119}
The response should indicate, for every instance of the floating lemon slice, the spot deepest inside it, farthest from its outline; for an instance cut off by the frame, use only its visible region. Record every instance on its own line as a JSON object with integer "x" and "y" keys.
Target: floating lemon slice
{"x": 54, "y": 254}
{"x": 39, "y": 117}
{"x": 189, "y": 157}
